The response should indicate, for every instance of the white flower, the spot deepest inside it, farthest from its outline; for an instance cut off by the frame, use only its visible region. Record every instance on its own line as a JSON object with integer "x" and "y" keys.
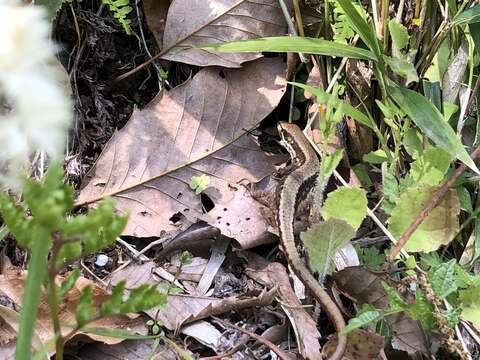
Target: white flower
{"x": 38, "y": 110}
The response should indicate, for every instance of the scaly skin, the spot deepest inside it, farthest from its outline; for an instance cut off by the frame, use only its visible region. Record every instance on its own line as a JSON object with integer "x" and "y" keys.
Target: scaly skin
{"x": 305, "y": 167}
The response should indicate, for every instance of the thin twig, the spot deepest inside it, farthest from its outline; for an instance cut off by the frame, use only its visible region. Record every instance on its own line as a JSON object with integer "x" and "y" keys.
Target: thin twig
{"x": 281, "y": 354}
{"x": 433, "y": 202}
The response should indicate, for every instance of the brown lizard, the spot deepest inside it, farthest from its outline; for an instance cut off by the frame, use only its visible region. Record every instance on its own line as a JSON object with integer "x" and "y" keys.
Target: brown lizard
{"x": 305, "y": 168}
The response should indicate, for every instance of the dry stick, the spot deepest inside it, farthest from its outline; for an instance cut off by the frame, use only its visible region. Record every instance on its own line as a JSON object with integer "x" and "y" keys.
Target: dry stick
{"x": 433, "y": 202}
{"x": 281, "y": 354}
{"x": 177, "y": 43}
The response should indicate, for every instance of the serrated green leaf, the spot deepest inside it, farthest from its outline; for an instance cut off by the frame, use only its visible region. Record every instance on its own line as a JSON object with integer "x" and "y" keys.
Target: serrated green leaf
{"x": 112, "y": 304}
{"x": 443, "y": 279}
{"x": 85, "y": 307}
{"x": 324, "y": 97}
{"x": 371, "y": 257}
{"x": 375, "y": 157}
{"x": 422, "y": 310}
{"x": 430, "y": 260}
{"x": 452, "y": 316}
{"x": 364, "y": 319}
{"x": 399, "y": 34}
{"x": 431, "y": 122}
{"x": 324, "y": 240}
{"x": 402, "y": 68}
{"x": 199, "y": 183}
{"x": 13, "y": 216}
{"x": 293, "y": 44}
{"x": 142, "y": 298}
{"x": 348, "y": 204}
{"x": 391, "y": 191}
{"x": 440, "y": 226}
{"x": 67, "y": 284}
{"x": 395, "y": 301}
{"x": 430, "y": 168}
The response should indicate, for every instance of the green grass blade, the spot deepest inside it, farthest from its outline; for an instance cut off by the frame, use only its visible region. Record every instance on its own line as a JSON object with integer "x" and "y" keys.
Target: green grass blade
{"x": 431, "y": 122}
{"x": 294, "y": 44}
{"x": 470, "y": 16}
{"x": 363, "y": 29}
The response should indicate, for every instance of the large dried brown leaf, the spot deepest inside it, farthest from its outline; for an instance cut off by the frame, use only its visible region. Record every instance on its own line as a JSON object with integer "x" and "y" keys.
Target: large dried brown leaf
{"x": 366, "y": 288}
{"x": 192, "y": 23}
{"x": 197, "y": 128}
{"x": 184, "y": 309}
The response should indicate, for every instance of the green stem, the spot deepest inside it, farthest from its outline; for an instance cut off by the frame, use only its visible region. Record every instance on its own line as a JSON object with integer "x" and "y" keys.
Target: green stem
{"x": 52, "y": 300}
{"x": 31, "y": 296}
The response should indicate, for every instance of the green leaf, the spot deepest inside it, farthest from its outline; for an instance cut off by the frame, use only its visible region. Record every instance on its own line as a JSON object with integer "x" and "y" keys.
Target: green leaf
{"x": 375, "y": 157}
{"x": 449, "y": 110}
{"x": 395, "y": 301}
{"x": 452, "y": 316}
{"x": 363, "y": 29}
{"x": 399, "y": 34}
{"x": 430, "y": 168}
{"x": 199, "y": 183}
{"x": 362, "y": 175}
{"x": 324, "y": 97}
{"x": 371, "y": 257}
{"x": 117, "y": 333}
{"x": 346, "y": 203}
{"x": 440, "y": 226}
{"x": 465, "y": 199}
{"x": 13, "y": 216}
{"x": 52, "y": 6}
{"x": 391, "y": 191}
{"x": 430, "y": 260}
{"x": 142, "y": 298}
{"x": 364, "y": 319}
{"x": 323, "y": 241}
{"x": 470, "y": 302}
{"x": 422, "y": 310}
{"x": 112, "y": 304}
{"x": 402, "y": 68}
{"x": 293, "y": 44}
{"x": 330, "y": 162}
{"x": 470, "y": 16}
{"x": 431, "y": 122}
{"x": 67, "y": 284}
{"x": 443, "y": 279}
{"x": 85, "y": 307}
{"x": 413, "y": 142}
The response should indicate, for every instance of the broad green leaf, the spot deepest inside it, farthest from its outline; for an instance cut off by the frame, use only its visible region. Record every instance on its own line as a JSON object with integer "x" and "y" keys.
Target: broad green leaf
{"x": 323, "y": 241}
{"x": 293, "y": 44}
{"x": 399, "y": 34}
{"x": 324, "y": 97}
{"x": 199, "y": 183}
{"x": 363, "y": 29}
{"x": 465, "y": 199}
{"x": 430, "y": 260}
{"x": 413, "y": 143}
{"x": 346, "y": 203}
{"x": 142, "y": 298}
{"x": 85, "y": 307}
{"x": 469, "y": 16}
{"x": 371, "y": 257}
{"x": 362, "y": 175}
{"x": 375, "y": 157}
{"x": 364, "y": 319}
{"x": 402, "y": 68}
{"x": 443, "y": 279}
{"x": 431, "y": 122}
{"x": 440, "y": 226}
{"x": 430, "y": 168}
{"x": 433, "y": 92}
